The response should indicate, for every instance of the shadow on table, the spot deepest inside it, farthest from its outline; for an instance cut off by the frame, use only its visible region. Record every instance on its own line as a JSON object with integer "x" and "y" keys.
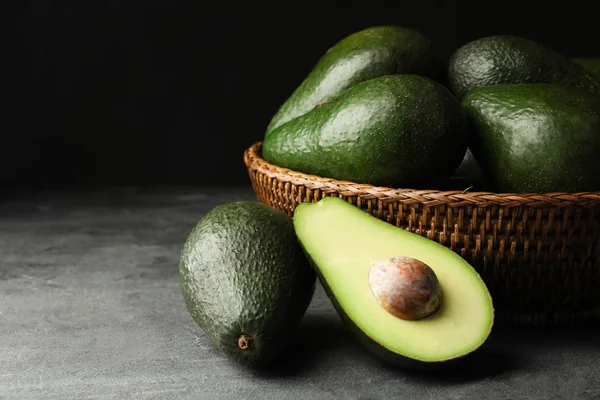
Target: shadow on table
{"x": 321, "y": 337}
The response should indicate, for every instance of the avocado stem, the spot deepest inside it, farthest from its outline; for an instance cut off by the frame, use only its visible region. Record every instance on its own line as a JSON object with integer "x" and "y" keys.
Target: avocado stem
{"x": 244, "y": 342}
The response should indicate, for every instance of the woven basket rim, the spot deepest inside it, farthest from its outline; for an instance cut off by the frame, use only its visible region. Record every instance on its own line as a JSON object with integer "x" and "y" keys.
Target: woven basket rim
{"x": 254, "y": 162}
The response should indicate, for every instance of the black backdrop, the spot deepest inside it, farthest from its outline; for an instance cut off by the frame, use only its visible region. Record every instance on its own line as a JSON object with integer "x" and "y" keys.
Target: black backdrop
{"x": 169, "y": 91}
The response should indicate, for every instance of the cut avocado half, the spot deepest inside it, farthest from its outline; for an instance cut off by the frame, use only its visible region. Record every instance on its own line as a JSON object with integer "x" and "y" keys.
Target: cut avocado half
{"x": 347, "y": 248}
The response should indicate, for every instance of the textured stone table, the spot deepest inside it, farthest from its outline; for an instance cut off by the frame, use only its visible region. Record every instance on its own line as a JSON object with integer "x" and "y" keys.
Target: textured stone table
{"x": 90, "y": 308}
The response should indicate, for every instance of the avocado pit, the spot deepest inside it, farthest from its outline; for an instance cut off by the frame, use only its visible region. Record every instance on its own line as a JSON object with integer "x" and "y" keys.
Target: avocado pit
{"x": 405, "y": 287}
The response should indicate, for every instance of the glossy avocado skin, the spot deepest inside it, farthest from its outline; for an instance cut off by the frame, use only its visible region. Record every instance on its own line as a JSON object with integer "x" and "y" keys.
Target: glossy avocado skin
{"x": 395, "y": 130}
{"x": 506, "y": 59}
{"x": 243, "y": 272}
{"x": 592, "y": 65}
{"x": 536, "y": 137}
{"x": 364, "y": 55}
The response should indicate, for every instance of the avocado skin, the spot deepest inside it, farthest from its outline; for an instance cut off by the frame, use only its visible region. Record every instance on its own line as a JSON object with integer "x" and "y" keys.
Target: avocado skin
{"x": 243, "y": 271}
{"x": 395, "y": 130}
{"x": 536, "y": 137}
{"x": 592, "y": 65}
{"x": 382, "y": 354}
{"x": 363, "y": 55}
{"x": 506, "y": 59}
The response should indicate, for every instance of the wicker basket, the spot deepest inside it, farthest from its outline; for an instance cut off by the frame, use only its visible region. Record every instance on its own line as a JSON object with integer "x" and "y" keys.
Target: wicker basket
{"x": 539, "y": 254}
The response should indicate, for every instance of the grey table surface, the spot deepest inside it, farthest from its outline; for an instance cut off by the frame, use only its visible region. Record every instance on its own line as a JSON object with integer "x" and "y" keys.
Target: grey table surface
{"x": 90, "y": 308}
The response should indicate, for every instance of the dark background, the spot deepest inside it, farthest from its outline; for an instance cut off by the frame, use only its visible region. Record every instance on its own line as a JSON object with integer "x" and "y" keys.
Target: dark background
{"x": 172, "y": 92}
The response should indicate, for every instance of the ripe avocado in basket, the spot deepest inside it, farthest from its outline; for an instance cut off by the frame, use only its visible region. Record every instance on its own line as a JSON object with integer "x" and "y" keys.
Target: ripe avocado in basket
{"x": 507, "y": 59}
{"x": 395, "y": 130}
{"x": 536, "y": 138}
{"x": 361, "y": 56}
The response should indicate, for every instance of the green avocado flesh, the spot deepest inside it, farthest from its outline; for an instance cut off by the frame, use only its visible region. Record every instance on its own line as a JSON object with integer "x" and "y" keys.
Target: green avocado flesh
{"x": 343, "y": 242}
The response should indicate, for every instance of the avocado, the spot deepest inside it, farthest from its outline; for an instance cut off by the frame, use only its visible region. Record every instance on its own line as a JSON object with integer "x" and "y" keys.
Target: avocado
{"x": 363, "y": 55}
{"x": 246, "y": 281}
{"x": 506, "y": 59}
{"x": 536, "y": 137}
{"x": 408, "y": 299}
{"x": 592, "y": 65}
{"x": 395, "y": 130}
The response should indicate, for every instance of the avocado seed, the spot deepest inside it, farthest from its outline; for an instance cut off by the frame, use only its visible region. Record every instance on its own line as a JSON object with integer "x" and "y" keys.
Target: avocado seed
{"x": 405, "y": 287}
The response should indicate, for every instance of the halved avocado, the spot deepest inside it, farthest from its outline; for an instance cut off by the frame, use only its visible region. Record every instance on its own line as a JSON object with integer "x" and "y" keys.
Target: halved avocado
{"x": 346, "y": 245}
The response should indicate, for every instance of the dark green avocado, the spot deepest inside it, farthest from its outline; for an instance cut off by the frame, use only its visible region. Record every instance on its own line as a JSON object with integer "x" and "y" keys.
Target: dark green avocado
{"x": 246, "y": 281}
{"x": 506, "y": 59}
{"x": 536, "y": 137}
{"x": 363, "y": 55}
{"x": 395, "y": 131}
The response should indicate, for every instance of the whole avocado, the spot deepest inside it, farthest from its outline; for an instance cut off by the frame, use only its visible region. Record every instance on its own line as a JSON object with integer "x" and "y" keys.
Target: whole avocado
{"x": 506, "y": 59}
{"x": 396, "y": 131}
{"x": 246, "y": 281}
{"x": 363, "y": 55}
{"x": 536, "y": 137}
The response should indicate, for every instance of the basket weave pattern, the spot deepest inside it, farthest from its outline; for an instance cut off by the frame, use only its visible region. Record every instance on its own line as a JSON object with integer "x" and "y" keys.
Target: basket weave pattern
{"x": 539, "y": 254}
